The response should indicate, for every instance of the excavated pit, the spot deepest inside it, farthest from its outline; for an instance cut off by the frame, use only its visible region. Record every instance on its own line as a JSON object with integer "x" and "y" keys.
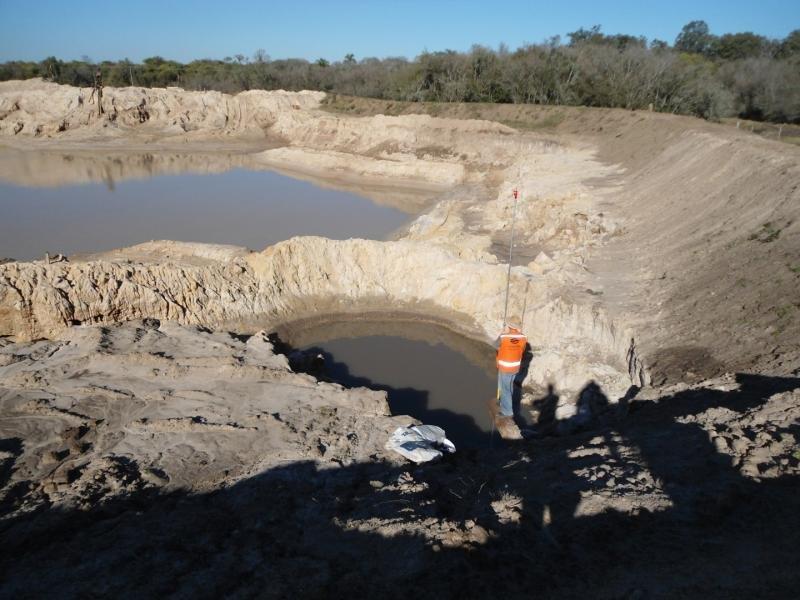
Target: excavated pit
{"x": 603, "y": 289}
{"x": 653, "y": 250}
{"x": 444, "y": 263}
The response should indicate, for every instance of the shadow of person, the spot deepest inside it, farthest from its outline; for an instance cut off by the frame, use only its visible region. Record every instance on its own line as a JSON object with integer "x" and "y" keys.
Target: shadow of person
{"x": 10, "y": 451}
{"x": 527, "y": 357}
{"x": 590, "y": 403}
{"x": 516, "y": 396}
{"x": 543, "y": 413}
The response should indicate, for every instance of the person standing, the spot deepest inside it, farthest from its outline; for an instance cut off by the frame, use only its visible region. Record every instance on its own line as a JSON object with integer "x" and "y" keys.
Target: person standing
{"x": 98, "y": 89}
{"x": 510, "y": 348}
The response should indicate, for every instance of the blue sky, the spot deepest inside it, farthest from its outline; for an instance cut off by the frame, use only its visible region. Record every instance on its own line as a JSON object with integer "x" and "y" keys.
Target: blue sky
{"x": 188, "y": 29}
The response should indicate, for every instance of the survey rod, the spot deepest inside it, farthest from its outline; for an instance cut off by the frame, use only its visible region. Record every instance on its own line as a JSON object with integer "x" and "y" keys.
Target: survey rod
{"x": 516, "y": 194}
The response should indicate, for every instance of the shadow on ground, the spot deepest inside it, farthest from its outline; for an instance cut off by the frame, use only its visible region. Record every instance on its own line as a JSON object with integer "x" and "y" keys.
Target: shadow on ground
{"x": 367, "y": 530}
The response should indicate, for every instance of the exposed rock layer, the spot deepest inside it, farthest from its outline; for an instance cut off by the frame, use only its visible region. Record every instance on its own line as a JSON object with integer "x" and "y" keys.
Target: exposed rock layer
{"x": 304, "y": 277}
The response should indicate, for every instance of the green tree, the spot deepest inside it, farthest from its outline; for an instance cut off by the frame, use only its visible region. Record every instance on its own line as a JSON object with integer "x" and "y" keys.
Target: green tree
{"x": 582, "y": 36}
{"x": 790, "y": 45}
{"x": 694, "y": 38}
{"x": 622, "y": 41}
{"x": 740, "y": 73}
{"x": 736, "y": 46}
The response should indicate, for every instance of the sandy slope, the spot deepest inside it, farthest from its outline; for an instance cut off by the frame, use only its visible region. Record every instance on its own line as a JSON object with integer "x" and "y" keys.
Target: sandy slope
{"x": 703, "y": 263}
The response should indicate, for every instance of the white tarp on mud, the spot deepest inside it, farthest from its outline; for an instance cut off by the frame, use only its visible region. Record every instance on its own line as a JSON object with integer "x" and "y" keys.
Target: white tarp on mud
{"x": 420, "y": 443}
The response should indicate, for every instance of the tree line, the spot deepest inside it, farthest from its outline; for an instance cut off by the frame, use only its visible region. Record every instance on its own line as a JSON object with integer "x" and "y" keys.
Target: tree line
{"x": 735, "y": 74}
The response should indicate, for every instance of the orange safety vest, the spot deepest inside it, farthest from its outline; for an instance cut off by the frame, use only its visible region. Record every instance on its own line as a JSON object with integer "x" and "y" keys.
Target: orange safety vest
{"x": 509, "y": 355}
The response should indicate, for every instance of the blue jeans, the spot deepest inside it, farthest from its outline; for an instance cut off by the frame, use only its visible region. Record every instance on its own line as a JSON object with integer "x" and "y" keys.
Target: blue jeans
{"x": 505, "y": 386}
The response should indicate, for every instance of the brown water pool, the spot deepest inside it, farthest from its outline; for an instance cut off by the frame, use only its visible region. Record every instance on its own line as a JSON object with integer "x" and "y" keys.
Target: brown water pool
{"x": 428, "y": 372}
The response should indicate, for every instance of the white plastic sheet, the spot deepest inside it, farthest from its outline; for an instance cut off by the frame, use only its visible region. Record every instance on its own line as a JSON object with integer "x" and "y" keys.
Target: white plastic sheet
{"x": 420, "y": 443}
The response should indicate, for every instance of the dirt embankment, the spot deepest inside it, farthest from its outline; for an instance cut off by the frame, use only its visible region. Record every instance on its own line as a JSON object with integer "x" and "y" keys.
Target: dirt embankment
{"x": 705, "y": 265}
{"x": 37, "y": 109}
{"x": 306, "y": 277}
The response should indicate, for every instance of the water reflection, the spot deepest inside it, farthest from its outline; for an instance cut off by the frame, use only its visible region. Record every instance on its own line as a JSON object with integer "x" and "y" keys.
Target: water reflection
{"x": 80, "y": 203}
{"x": 48, "y": 168}
{"x": 52, "y": 168}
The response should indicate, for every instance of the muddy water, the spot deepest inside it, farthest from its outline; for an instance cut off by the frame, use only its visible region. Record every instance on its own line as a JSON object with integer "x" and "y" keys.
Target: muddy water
{"x": 428, "y": 372}
{"x": 238, "y": 207}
